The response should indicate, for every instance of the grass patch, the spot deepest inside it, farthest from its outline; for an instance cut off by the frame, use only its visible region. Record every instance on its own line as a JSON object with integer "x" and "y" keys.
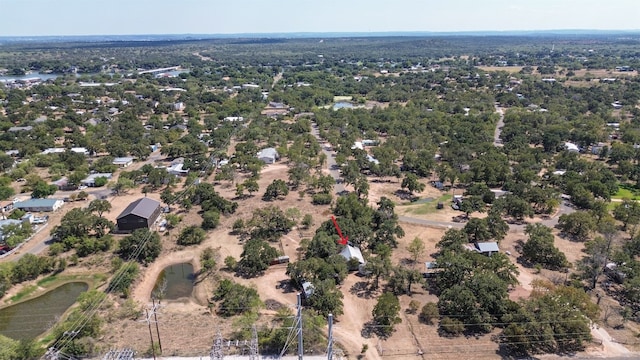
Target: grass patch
{"x": 47, "y": 280}
{"x": 23, "y": 293}
{"x": 626, "y": 191}
{"x": 430, "y": 207}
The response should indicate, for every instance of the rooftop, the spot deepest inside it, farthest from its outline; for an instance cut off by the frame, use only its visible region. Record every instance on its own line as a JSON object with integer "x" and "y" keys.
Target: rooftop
{"x": 143, "y": 207}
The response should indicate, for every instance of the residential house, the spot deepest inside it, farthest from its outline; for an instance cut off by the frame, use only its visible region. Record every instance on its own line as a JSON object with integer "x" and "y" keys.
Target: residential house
{"x": 122, "y": 162}
{"x": 177, "y": 169}
{"x": 63, "y": 184}
{"x": 141, "y": 213}
{"x": 90, "y": 180}
{"x": 39, "y": 205}
{"x": 571, "y": 147}
{"x": 268, "y": 155}
{"x": 234, "y": 118}
{"x": 179, "y": 106}
{"x": 487, "y": 248}
{"x": 3, "y": 224}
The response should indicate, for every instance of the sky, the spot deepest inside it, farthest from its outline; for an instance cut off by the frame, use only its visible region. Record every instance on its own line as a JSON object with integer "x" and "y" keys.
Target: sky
{"x": 124, "y": 17}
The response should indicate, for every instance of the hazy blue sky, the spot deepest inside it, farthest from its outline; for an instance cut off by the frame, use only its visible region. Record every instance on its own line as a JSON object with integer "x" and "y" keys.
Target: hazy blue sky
{"x": 80, "y": 17}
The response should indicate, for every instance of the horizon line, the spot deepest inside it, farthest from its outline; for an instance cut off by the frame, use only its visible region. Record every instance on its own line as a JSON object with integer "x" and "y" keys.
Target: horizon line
{"x": 582, "y": 31}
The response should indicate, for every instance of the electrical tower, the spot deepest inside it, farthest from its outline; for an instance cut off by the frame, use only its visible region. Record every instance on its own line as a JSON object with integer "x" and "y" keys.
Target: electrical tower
{"x": 253, "y": 346}
{"x": 299, "y": 316}
{"x": 51, "y": 354}
{"x": 330, "y": 342}
{"x": 216, "y": 350}
{"x": 124, "y": 354}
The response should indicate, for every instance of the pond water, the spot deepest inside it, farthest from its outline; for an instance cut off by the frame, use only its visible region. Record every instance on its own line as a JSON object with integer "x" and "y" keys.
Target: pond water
{"x": 342, "y": 105}
{"x": 28, "y": 319}
{"x": 174, "y": 282}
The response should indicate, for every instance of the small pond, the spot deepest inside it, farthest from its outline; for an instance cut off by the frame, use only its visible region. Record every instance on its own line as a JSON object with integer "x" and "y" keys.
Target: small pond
{"x": 174, "y": 282}
{"x": 342, "y": 105}
{"x": 29, "y": 319}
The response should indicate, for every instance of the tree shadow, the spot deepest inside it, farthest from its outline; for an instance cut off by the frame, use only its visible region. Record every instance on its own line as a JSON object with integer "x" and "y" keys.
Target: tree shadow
{"x": 405, "y": 195}
{"x": 363, "y": 290}
{"x": 286, "y": 286}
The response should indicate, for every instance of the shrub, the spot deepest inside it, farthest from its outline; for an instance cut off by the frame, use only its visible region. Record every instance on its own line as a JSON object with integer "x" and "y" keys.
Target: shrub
{"x": 192, "y": 235}
{"x": 451, "y": 326}
{"x": 321, "y": 199}
{"x": 429, "y": 312}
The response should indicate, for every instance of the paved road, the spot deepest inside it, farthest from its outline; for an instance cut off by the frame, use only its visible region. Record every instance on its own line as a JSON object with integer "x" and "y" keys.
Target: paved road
{"x": 496, "y": 134}
{"x": 334, "y": 170}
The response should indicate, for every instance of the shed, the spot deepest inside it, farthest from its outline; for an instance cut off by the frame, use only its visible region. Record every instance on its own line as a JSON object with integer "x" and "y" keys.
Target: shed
{"x": 37, "y": 205}
{"x": 141, "y": 213}
{"x": 268, "y": 155}
{"x": 487, "y": 248}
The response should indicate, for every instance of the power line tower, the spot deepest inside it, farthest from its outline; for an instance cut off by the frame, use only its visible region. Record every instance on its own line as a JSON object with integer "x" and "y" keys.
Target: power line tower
{"x": 51, "y": 354}
{"x": 330, "y": 342}
{"x": 216, "y": 350}
{"x": 299, "y": 317}
{"x": 123, "y": 354}
{"x": 253, "y": 346}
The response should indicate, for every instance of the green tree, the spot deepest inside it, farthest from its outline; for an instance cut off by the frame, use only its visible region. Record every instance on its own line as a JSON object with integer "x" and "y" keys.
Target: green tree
{"x": 123, "y": 278}
{"x": 142, "y": 245}
{"x": 255, "y": 258}
{"x": 472, "y": 204}
{"x": 578, "y": 225}
{"x": 412, "y": 184}
{"x": 42, "y": 190}
{"x": 269, "y": 223}
{"x": 251, "y": 185}
{"x": 429, "y": 312}
{"x": 276, "y": 190}
{"x": 210, "y": 219}
{"x": 416, "y": 248}
{"x": 386, "y": 314}
{"x": 99, "y": 206}
{"x": 628, "y": 212}
{"x": 539, "y": 248}
{"x": 326, "y": 298}
{"x": 191, "y": 235}
{"x": 235, "y": 299}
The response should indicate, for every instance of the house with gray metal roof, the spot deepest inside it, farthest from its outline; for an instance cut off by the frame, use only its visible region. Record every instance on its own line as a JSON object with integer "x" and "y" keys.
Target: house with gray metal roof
{"x": 39, "y": 205}
{"x": 268, "y": 155}
{"x": 141, "y": 213}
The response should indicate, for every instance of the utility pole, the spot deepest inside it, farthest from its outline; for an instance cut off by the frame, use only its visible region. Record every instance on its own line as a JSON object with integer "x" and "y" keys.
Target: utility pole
{"x": 153, "y": 349}
{"x": 299, "y": 316}
{"x": 330, "y": 345}
{"x": 155, "y": 318}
